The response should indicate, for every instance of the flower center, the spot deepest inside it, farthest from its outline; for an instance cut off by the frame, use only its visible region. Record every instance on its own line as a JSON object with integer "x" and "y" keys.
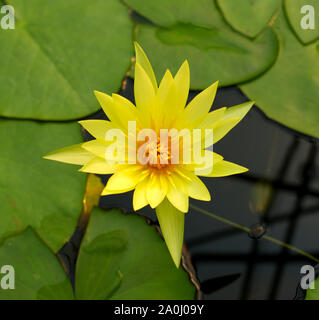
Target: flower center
{"x": 159, "y": 154}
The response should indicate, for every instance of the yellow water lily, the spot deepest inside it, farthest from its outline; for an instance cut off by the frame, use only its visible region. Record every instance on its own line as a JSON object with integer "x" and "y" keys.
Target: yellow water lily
{"x": 150, "y": 165}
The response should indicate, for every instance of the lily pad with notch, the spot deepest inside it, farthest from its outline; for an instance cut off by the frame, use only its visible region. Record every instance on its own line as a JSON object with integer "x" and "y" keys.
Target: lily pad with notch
{"x": 195, "y": 30}
{"x": 116, "y": 261}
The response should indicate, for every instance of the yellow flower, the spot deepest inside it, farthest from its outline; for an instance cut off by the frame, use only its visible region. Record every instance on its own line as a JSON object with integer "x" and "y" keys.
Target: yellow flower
{"x": 162, "y": 175}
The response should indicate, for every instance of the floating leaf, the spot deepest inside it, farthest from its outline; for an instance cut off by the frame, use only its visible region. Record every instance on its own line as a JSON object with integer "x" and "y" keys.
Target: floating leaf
{"x": 289, "y": 91}
{"x": 249, "y": 17}
{"x": 140, "y": 274}
{"x": 38, "y": 273}
{"x": 35, "y": 192}
{"x": 167, "y": 13}
{"x": 196, "y": 31}
{"x": 212, "y": 53}
{"x": 59, "y": 53}
{"x": 298, "y": 12}
{"x": 98, "y": 274}
{"x": 116, "y": 261}
{"x": 313, "y": 294}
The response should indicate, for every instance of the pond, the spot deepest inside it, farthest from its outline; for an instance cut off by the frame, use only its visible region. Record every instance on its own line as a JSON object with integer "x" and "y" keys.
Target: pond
{"x": 279, "y": 194}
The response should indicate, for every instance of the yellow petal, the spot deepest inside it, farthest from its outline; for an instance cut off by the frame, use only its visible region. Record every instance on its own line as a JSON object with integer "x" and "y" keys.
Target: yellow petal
{"x": 118, "y": 109}
{"x": 206, "y": 164}
{"x": 201, "y": 104}
{"x": 155, "y": 192}
{"x": 172, "y": 225}
{"x": 208, "y": 125}
{"x": 125, "y": 178}
{"x": 107, "y": 192}
{"x": 144, "y": 92}
{"x": 176, "y": 194}
{"x": 99, "y": 166}
{"x": 164, "y": 87}
{"x": 214, "y": 116}
{"x": 160, "y": 103}
{"x": 182, "y": 81}
{"x": 97, "y": 128}
{"x": 98, "y": 147}
{"x": 196, "y": 188}
{"x": 139, "y": 196}
{"x": 142, "y": 60}
{"x": 107, "y": 105}
{"x": 126, "y": 111}
{"x": 231, "y": 117}
{"x": 238, "y": 111}
{"x": 74, "y": 154}
{"x": 168, "y": 101}
{"x": 221, "y": 128}
{"x": 225, "y": 168}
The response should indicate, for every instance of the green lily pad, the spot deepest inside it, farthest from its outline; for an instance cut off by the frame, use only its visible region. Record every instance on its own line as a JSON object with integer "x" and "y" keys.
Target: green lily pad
{"x": 249, "y": 17}
{"x": 289, "y": 91}
{"x": 38, "y": 275}
{"x": 116, "y": 261}
{"x": 212, "y": 54}
{"x": 313, "y": 294}
{"x": 59, "y": 53}
{"x": 98, "y": 274}
{"x": 196, "y": 31}
{"x": 296, "y": 15}
{"x": 134, "y": 271}
{"x": 35, "y": 192}
{"x": 167, "y": 13}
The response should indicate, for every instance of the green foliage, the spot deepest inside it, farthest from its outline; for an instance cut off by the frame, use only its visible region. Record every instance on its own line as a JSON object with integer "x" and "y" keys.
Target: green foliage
{"x": 293, "y": 11}
{"x": 277, "y": 71}
{"x": 138, "y": 272}
{"x": 36, "y": 192}
{"x": 116, "y": 261}
{"x": 38, "y": 273}
{"x": 249, "y": 17}
{"x": 195, "y": 30}
{"x": 167, "y": 13}
{"x": 228, "y": 57}
{"x": 98, "y": 273}
{"x": 50, "y": 64}
{"x": 313, "y": 294}
{"x": 59, "y": 53}
{"x": 289, "y": 91}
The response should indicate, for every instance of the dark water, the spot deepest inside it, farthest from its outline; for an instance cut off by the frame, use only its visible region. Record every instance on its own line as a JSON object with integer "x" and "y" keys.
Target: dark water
{"x": 278, "y": 197}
